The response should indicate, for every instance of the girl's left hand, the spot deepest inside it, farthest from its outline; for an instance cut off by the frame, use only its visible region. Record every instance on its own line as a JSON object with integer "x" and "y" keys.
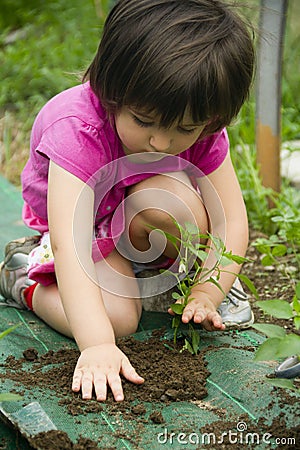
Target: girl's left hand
{"x": 202, "y": 310}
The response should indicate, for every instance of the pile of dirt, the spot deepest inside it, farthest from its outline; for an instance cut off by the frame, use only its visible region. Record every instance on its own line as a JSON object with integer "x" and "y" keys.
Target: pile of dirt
{"x": 158, "y": 361}
{"x": 59, "y": 440}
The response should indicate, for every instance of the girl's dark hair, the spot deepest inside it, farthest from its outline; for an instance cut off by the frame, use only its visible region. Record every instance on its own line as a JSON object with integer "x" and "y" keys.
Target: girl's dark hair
{"x": 172, "y": 56}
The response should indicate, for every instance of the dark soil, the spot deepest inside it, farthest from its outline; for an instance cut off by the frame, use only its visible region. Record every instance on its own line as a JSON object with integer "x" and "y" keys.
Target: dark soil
{"x": 271, "y": 282}
{"x": 230, "y": 441}
{"x": 157, "y": 362}
{"x": 165, "y": 381}
{"x": 59, "y": 440}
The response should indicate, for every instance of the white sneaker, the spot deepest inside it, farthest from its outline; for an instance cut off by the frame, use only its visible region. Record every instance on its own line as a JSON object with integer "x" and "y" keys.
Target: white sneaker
{"x": 235, "y": 309}
{"x": 13, "y": 271}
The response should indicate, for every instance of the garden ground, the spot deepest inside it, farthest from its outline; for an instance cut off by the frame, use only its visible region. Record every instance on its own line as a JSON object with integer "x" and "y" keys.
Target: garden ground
{"x": 213, "y": 396}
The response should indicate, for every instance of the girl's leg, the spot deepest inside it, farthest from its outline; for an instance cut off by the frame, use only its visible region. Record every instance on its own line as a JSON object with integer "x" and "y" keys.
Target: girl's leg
{"x": 151, "y": 202}
{"x": 114, "y": 270}
{"x": 155, "y": 202}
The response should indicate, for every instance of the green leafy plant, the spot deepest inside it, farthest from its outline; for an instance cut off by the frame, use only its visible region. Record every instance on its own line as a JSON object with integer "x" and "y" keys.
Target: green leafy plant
{"x": 193, "y": 255}
{"x": 280, "y": 344}
{"x": 273, "y": 249}
{"x": 270, "y": 248}
{"x": 277, "y": 250}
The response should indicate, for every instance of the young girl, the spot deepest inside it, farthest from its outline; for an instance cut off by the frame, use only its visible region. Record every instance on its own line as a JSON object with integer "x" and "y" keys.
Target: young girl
{"x": 140, "y": 142}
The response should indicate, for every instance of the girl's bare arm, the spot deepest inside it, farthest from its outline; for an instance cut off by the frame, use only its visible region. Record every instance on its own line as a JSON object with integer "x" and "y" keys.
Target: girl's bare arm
{"x": 69, "y": 198}
{"x": 228, "y": 220}
{"x": 71, "y": 217}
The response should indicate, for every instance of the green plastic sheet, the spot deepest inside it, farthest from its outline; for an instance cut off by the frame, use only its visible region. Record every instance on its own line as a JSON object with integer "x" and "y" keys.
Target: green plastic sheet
{"x": 237, "y": 386}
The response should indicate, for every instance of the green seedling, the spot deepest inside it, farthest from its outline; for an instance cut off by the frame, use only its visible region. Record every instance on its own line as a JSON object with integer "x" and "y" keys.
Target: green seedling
{"x": 193, "y": 249}
{"x": 9, "y": 330}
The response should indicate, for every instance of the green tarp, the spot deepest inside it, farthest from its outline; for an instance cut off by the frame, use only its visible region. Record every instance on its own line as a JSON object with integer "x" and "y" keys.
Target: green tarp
{"x": 237, "y": 386}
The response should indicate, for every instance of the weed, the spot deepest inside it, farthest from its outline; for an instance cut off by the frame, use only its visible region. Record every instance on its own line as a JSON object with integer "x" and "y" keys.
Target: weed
{"x": 9, "y": 330}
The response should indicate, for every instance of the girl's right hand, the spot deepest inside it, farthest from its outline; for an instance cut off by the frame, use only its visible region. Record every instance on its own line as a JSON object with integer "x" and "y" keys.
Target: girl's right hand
{"x": 99, "y": 366}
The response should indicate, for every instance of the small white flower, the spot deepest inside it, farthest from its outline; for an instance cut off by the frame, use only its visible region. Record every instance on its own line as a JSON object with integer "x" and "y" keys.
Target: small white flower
{"x": 182, "y": 267}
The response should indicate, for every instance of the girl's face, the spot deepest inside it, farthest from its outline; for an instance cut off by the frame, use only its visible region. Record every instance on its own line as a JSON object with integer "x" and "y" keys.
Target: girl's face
{"x": 140, "y": 133}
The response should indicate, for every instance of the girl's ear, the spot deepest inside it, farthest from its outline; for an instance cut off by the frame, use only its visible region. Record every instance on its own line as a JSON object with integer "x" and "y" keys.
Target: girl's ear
{"x": 206, "y": 130}
{"x": 212, "y": 126}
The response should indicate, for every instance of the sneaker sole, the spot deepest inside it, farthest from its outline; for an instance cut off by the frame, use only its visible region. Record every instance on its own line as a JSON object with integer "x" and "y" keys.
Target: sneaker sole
{"x": 240, "y": 326}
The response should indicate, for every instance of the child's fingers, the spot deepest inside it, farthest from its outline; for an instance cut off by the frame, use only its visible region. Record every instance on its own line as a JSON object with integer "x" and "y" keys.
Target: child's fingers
{"x": 87, "y": 385}
{"x": 213, "y": 322}
{"x": 100, "y": 385}
{"x": 216, "y": 321}
{"x": 115, "y": 384}
{"x": 210, "y": 320}
{"x": 83, "y": 380}
{"x": 76, "y": 383}
{"x": 129, "y": 372}
{"x": 189, "y": 314}
{"x": 86, "y": 381}
{"x": 99, "y": 366}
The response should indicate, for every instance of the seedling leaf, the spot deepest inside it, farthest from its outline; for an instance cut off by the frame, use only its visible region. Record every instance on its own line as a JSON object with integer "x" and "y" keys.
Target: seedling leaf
{"x": 225, "y": 261}
{"x": 276, "y": 308}
{"x": 282, "y": 383}
{"x": 267, "y": 260}
{"x": 297, "y": 323}
{"x": 9, "y": 330}
{"x": 270, "y": 330}
{"x": 202, "y": 255}
{"x": 187, "y": 346}
{"x": 236, "y": 258}
{"x": 195, "y": 341}
{"x": 296, "y": 304}
{"x": 191, "y": 228}
{"x": 249, "y": 284}
{"x": 289, "y": 346}
{"x": 268, "y": 350}
{"x": 10, "y": 397}
{"x": 279, "y": 250}
{"x": 177, "y": 308}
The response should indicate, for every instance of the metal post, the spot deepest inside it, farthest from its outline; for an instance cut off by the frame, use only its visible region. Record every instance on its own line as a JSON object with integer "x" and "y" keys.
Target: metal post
{"x": 268, "y": 101}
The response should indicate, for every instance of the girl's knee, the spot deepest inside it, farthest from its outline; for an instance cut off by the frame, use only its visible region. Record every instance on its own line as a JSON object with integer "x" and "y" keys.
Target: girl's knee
{"x": 159, "y": 200}
{"x": 126, "y": 322}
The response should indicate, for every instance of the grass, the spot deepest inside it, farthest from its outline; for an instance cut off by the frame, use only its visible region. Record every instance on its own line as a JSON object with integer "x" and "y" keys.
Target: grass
{"x": 46, "y": 48}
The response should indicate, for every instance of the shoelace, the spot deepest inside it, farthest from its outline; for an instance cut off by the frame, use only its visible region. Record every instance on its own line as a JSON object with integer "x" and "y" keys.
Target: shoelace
{"x": 236, "y": 294}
